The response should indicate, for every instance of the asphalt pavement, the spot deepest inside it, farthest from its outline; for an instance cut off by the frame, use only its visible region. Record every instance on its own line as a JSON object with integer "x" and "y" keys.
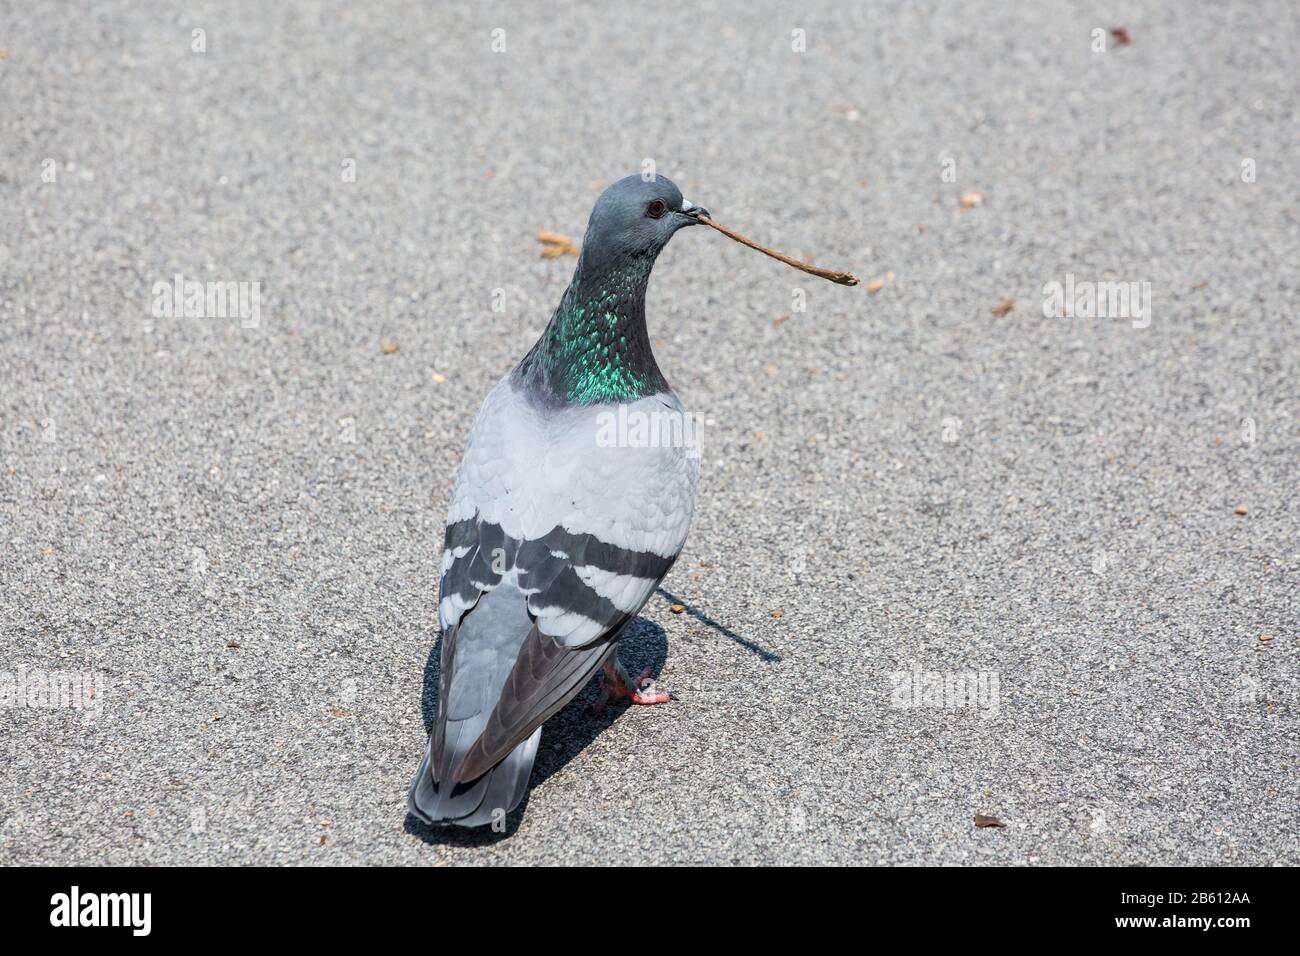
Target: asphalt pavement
{"x": 953, "y": 555}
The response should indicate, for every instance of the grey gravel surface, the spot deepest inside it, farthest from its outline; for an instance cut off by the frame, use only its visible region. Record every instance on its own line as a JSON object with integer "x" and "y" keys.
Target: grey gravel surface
{"x": 232, "y": 531}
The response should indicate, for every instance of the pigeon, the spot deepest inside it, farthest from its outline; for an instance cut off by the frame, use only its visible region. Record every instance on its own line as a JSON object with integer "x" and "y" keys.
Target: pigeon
{"x": 572, "y": 501}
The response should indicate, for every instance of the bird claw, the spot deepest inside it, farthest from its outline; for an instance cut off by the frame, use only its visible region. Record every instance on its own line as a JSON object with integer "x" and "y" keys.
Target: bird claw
{"x": 641, "y": 691}
{"x": 646, "y": 694}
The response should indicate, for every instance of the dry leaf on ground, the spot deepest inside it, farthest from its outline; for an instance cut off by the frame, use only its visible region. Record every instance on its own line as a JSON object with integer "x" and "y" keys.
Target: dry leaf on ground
{"x": 555, "y": 245}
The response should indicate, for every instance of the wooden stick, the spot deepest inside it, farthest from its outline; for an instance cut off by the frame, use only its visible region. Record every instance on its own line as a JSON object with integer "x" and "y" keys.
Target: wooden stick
{"x": 843, "y": 278}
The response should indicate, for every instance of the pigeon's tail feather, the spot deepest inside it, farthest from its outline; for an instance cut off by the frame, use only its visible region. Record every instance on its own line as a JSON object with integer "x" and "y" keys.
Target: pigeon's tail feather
{"x": 481, "y": 801}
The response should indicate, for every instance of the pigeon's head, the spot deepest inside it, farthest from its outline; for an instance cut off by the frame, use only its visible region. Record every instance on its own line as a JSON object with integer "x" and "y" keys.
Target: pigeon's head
{"x": 636, "y": 217}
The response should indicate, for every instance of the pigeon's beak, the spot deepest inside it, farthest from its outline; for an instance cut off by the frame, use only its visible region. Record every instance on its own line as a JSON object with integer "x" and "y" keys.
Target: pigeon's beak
{"x": 693, "y": 212}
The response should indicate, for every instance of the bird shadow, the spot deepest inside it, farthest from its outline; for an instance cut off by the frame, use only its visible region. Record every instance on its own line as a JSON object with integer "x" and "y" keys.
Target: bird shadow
{"x": 643, "y": 645}
{"x": 766, "y": 655}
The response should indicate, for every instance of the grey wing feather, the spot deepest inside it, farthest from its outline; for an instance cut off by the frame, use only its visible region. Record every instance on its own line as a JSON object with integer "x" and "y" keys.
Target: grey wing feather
{"x": 544, "y": 673}
{"x": 546, "y": 676}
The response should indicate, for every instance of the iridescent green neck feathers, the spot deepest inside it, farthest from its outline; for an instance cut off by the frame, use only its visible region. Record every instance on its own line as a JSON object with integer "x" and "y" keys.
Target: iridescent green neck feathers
{"x": 595, "y": 349}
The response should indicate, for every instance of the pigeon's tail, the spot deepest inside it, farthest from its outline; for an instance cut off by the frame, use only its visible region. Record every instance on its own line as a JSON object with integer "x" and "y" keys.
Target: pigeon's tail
{"x": 484, "y": 800}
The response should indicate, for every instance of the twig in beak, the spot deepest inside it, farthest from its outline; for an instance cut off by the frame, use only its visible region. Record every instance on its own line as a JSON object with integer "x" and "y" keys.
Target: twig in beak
{"x": 843, "y": 278}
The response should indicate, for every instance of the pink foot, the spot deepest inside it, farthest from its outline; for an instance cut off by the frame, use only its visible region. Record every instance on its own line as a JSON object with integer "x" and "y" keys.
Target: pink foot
{"x": 615, "y": 685}
{"x": 644, "y": 692}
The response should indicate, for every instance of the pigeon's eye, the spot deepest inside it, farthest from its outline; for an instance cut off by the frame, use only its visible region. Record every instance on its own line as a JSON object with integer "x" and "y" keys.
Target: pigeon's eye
{"x": 656, "y": 208}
